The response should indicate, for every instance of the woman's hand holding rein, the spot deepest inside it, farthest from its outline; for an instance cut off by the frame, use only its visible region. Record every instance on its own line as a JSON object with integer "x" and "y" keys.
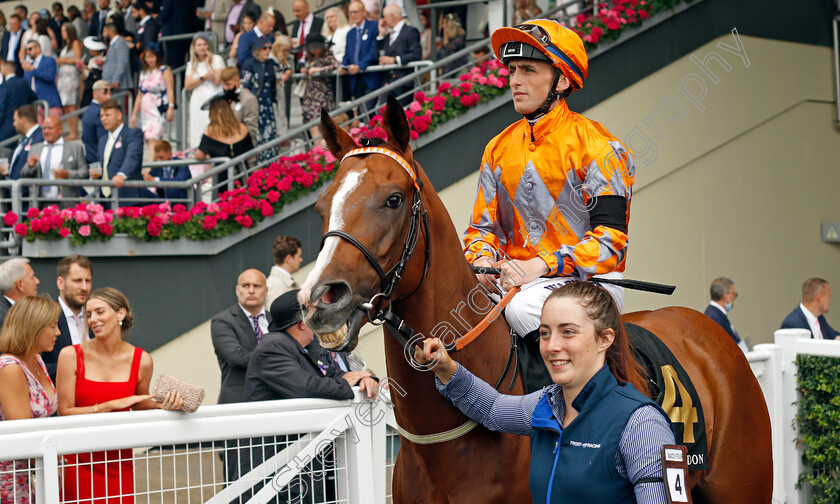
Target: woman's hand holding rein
{"x": 436, "y": 358}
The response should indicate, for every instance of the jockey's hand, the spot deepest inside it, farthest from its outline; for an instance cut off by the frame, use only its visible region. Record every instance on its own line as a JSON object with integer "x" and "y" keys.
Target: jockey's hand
{"x": 488, "y": 281}
{"x": 518, "y": 272}
{"x": 434, "y": 355}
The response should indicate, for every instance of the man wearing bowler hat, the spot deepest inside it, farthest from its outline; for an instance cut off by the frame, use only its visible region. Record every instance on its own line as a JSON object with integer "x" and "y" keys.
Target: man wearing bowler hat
{"x": 288, "y": 363}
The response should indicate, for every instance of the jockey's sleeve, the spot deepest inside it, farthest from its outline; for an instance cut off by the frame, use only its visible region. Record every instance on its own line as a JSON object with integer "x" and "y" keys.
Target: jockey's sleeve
{"x": 607, "y": 188}
{"x": 484, "y": 236}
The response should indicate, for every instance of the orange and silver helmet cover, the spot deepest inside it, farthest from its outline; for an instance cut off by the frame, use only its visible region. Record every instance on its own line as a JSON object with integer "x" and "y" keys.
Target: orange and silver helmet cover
{"x": 556, "y": 44}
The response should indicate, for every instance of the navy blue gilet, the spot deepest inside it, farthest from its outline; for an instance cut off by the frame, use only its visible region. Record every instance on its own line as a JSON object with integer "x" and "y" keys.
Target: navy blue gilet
{"x": 577, "y": 463}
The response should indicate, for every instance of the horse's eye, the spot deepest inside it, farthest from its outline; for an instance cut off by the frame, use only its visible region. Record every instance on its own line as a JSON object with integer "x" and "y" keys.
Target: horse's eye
{"x": 394, "y": 201}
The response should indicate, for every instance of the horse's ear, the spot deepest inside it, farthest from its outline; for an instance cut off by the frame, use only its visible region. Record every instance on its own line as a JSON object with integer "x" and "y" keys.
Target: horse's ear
{"x": 396, "y": 124}
{"x": 338, "y": 141}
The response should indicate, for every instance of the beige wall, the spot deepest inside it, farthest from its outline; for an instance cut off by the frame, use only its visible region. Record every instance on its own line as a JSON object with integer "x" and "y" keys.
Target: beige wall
{"x": 737, "y": 190}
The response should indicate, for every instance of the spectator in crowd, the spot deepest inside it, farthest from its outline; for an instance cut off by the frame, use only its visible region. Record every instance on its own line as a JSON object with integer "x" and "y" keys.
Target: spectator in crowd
{"x": 69, "y": 63}
{"x": 481, "y": 54}
{"x": 242, "y": 101}
{"x": 202, "y": 78}
{"x": 335, "y": 31}
{"x": 247, "y": 25}
{"x": 260, "y": 75}
{"x": 288, "y": 363}
{"x": 147, "y": 31}
{"x": 12, "y": 43}
{"x": 372, "y": 9}
{"x": 525, "y": 10}
{"x": 23, "y": 13}
{"x": 359, "y": 54}
{"x": 120, "y": 153}
{"x": 93, "y": 70}
{"x": 26, "y": 125}
{"x": 41, "y": 74}
{"x": 214, "y": 13}
{"x": 56, "y": 21}
{"x": 288, "y": 256}
{"x": 156, "y": 103}
{"x": 88, "y": 13}
{"x": 17, "y": 279}
{"x": 453, "y": 41}
{"x": 37, "y": 32}
{"x": 117, "y": 67}
{"x": 235, "y": 333}
{"x": 305, "y": 23}
{"x": 14, "y": 93}
{"x": 92, "y": 129}
{"x": 236, "y": 17}
{"x": 318, "y": 69}
{"x": 224, "y": 136}
{"x": 425, "y": 36}
{"x": 75, "y": 18}
{"x": 810, "y": 314}
{"x": 264, "y": 29}
{"x": 26, "y": 390}
{"x": 91, "y": 379}
{"x": 2, "y": 24}
{"x": 398, "y": 44}
{"x": 163, "y": 152}
{"x": 129, "y": 18}
{"x": 56, "y": 159}
{"x": 176, "y": 18}
{"x": 279, "y": 23}
{"x": 280, "y": 53}
{"x": 74, "y": 281}
{"x": 723, "y": 297}
{"x": 99, "y": 18}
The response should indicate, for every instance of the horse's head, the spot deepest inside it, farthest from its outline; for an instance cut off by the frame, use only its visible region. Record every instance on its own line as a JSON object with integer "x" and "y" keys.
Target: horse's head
{"x": 366, "y": 213}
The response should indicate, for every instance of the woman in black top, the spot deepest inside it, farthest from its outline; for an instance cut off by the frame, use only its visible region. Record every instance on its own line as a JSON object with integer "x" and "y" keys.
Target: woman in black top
{"x": 223, "y": 137}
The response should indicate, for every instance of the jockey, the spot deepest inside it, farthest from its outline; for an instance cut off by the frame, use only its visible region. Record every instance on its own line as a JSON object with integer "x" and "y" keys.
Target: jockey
{"x": 554, "y": 189}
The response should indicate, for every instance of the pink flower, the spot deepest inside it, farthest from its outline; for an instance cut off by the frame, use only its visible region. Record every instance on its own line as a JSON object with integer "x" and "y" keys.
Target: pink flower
{"x": 106, "y": 229}
{"x": 64, "y": 232}
{"x": 503, "y": 71}
{"x": 438, "y": 103}
{"x": 21, "y": 229}
{"x": 643, "y": 14}
{"x": 155, "y": 226}
{"x": 10, "y": 218}
{"x": 81, "y": 217}
{"x": 66, "y": 214}
{"x": 209, "y": 223}
{"x": 212, "y": 208}
{"x": 99, "y": 219}
{"x": 465, "y": 100}
{"x": 273, "y": 196}
{"x": 580, "y": 18}
{"x": 444, "y": 87}
{"x": 464, "y": 77}
{"x": 465, "y": 87}
{"x": 245, "y": 221}
{"x": 420, "y": 96}
{"x": 32, "y": 213}
{"x": 413, "y": 135}
{"x": 482, "y": 80}
{"x": 597, "y": 32}
{"x": 84, "y": 230}
{"x": 456, "y": 92}
{"x": 415, "y": 107}
{"x": 94, "y": 208}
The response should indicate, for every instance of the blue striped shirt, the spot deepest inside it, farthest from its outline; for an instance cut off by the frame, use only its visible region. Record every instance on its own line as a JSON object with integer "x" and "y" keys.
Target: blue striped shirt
{"x": 639, "y": 452}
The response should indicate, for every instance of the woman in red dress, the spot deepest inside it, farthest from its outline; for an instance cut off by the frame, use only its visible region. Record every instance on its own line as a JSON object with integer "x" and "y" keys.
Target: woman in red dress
{"x": 101, "y": 375}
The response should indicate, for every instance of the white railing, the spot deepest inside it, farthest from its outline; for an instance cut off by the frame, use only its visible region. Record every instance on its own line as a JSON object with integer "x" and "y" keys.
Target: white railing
{"x": 179, "y": 457}
{"x": 774, "y": 365}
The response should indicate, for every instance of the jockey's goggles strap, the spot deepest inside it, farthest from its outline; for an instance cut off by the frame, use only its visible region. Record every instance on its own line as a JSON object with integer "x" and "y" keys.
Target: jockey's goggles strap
{"x": 391, "y": 154}
{"x": 542, "y": 37}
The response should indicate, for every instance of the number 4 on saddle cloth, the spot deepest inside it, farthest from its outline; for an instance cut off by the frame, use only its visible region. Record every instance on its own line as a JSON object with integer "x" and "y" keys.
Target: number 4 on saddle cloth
{"x": 670, "y": 385}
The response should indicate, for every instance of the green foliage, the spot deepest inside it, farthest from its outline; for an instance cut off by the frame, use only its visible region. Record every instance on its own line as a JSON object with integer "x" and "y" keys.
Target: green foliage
{"x": 818, "y": 423}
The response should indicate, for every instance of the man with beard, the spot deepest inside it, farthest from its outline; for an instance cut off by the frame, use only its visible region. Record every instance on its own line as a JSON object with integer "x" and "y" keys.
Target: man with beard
{"x": 74, "y": 285}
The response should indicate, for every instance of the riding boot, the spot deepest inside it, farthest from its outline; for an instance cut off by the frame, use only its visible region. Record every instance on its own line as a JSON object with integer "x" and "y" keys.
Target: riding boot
{"x": 534, "y": 373}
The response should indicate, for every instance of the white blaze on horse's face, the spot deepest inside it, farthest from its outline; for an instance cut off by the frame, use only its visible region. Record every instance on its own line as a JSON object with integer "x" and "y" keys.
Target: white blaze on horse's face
{"x": 350, "y": 183}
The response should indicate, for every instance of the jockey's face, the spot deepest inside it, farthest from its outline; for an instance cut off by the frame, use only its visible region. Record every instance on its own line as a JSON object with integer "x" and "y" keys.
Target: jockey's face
{"x": 571, "y": 350}
{"x": 530, "y": 82}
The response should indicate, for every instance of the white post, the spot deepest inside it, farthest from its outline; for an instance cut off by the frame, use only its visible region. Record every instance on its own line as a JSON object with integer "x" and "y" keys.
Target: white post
{"x": 362, "y": 483}
{"x": 766, "y": 362}
{"x": 786, "y": 339}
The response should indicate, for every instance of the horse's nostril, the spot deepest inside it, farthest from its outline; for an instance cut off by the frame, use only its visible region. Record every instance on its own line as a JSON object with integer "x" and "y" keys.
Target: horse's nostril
{"x": 332, "y": 295}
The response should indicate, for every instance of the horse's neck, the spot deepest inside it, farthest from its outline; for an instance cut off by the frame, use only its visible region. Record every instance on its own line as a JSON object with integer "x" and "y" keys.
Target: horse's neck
{"x": 446, "y": 305}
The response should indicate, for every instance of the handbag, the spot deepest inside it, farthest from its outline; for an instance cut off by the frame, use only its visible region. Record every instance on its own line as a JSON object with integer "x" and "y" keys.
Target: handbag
{"x": 299, "y": 89}
{"x": 192, "y": 395}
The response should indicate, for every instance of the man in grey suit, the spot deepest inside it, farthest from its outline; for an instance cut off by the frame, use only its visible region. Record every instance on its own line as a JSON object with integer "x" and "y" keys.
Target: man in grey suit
{"x": 117, "y": 67}
{"x": 17, "y": 279}
{"x": 245, "y": 107}
{"x": 56, "y": 159}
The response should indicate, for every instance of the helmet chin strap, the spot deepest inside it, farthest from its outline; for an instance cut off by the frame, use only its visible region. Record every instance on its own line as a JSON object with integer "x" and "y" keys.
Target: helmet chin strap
{"x": 553, "y": 95}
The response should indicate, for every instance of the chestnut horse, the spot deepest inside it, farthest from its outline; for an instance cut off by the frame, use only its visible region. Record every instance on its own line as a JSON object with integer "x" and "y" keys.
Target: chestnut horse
{"x": 370, "y": 221}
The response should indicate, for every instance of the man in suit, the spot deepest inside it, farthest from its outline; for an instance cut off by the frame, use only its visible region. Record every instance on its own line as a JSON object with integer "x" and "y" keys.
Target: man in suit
{"x": 129, "y": 18}
{"x": 245, "y": 107}
{"x": 92, "y": 129}
{"x": 14, "y": 93}
{"x": 305, "y": 23}
{"x": 100, "y": 18}
{"x": 163, "y": 152}
{"x": 148, "y": 29}
{"x": 176, "y": 18}
{"x": 723, "y": 296}
{"x": 17, "y": 279}
{"x": 56, "y": 159}
{"x": 74, "y": 285}
{"x": 56, "y": 20}
{"x": 288, "y": 256}
{"x": 810, "y": 314}
{"x": 10, "y": 45}
{"x": 399, "y": 44}
{"x": 25, "y": 122}
{"x": 288, "y": 363}
{"x": 235, "y": 333}
{"x": 40, "y": 74}
{"x": 120, "y": 153}
{"x": 263, "y": 28}
{"x": 117, "y": 67}
{"x": 359, "y": 54}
